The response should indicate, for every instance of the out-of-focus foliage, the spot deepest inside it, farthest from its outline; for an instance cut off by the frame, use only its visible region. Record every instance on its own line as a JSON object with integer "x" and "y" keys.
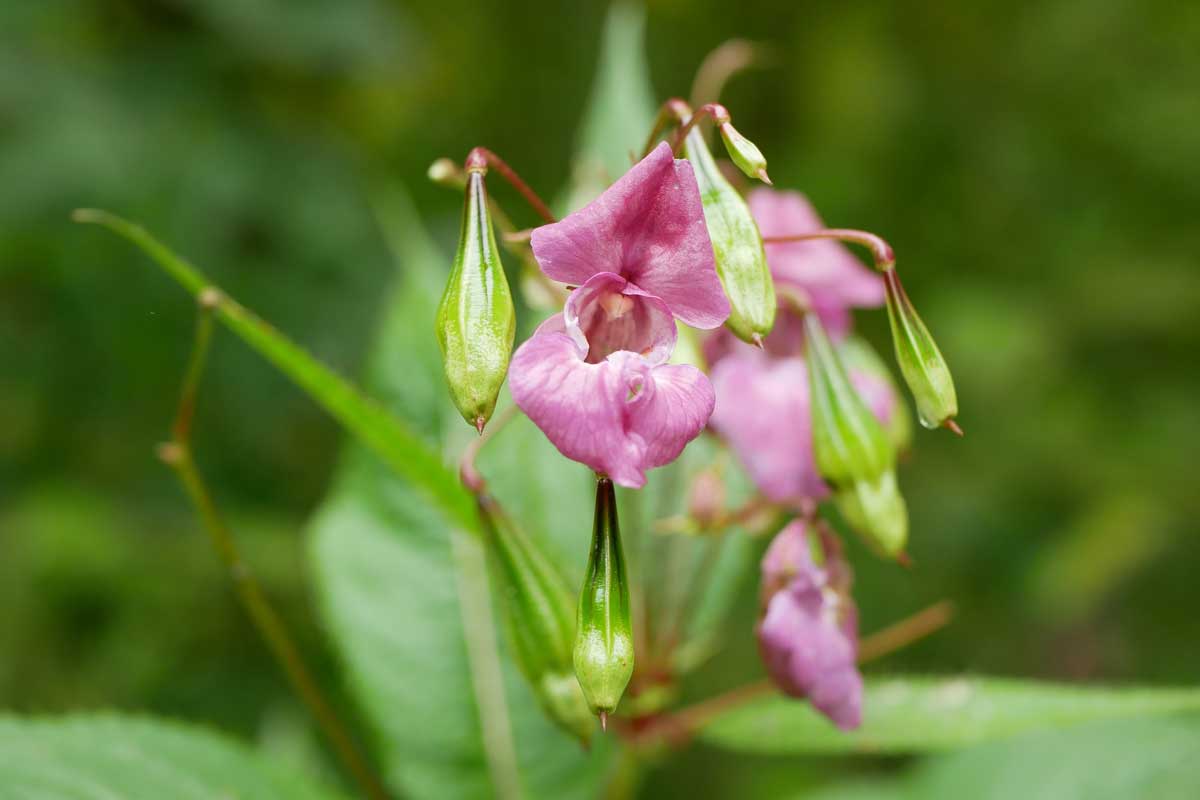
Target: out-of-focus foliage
{"x": 1033, "y": 164}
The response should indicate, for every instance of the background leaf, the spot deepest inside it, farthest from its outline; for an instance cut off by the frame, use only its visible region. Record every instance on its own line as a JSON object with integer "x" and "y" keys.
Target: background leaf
{"x": 912, "y": 715}
{"x": 108, "y": 756}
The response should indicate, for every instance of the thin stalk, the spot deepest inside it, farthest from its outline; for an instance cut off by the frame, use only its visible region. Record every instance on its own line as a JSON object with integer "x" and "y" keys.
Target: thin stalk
{"x": 881, "y": 251}
{"x": 715, "y": 111}
{"x": 903, "y": 633}
{"x": 178, "y": 455}
{"x": 672, "y": 112}
{"x": 509, "y": 174}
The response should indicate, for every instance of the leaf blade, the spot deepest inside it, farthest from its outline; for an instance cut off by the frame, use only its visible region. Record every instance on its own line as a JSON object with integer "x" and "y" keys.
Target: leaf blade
{"x": 115, "y": 756}
{"x": 913, "y": 715}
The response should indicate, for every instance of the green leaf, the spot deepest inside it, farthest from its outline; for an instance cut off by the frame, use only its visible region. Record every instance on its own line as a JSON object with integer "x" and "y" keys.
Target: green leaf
{"x": 1113, "y": 760}
{"x": 104, "y": 756}
{"x": 405, "y": 595}
{"x": 919, "y": 714}
{"x": 380, "y": 431}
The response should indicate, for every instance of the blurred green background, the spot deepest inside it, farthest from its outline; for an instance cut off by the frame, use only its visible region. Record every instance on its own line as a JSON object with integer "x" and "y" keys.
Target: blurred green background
{"x": 1035, "y": 165}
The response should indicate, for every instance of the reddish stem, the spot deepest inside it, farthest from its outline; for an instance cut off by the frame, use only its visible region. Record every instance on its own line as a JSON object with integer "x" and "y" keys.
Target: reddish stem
{"x": 481, "y": 156}
{"x": 881, "y": 251}
{"x": 715, "y": 111}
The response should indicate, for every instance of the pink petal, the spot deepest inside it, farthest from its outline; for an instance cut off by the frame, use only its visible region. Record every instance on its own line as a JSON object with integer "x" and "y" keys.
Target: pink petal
{"x": 826, "y": 270}
{"x": 621, "y": 416}
{"x": 649, "y": 228}
{"x": 877, "y": 392}
{"x": 612, "y": 314}
{"x": 763, "y": 412}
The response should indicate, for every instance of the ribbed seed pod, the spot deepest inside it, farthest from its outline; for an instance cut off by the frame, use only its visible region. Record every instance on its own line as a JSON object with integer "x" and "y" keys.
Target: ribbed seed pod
{"x": 538, "y": 616}
{"x": 476, "y": 321}
{"x": 603, "y": 631}
{"x": 737, "y": 246}
{"x": 920, "y": 360}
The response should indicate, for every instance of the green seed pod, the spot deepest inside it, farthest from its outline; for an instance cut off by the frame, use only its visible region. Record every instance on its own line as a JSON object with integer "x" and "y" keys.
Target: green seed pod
{"x": 737, "y": 246}
{"x": 858, "y": 356}
{"x": 849, "y": 444}
{"x": 921, "y": 362}
{"x": 603, "y": 632}
{"x": 744, "y": 153}
{"x": 538, "y": 617}
{"x": 876, "y": 510}
{"x": 476, "y": 322}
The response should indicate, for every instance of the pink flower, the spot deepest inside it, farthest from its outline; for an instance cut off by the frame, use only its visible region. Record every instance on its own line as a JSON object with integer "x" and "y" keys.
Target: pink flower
{"x": 595, "y": 378}
{"x": 648, "y": 227}
{"x": 829, "y": 274}
{"x": 763, "y": 413}
{"x": 808, "y": 636}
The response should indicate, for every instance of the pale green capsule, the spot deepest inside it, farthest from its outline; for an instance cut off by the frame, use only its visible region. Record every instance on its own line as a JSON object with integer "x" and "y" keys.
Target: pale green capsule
{"x": 539, "y": 618}
{"x": 876, "y": 510}
{"x": 603, "y": 632}
{"x": 744, "y": 153}
{"x": 849, "y": 444}
{"x": 921, "y": 362}
{"x": 737, "y": 246}
{"x": 476, "y": 321}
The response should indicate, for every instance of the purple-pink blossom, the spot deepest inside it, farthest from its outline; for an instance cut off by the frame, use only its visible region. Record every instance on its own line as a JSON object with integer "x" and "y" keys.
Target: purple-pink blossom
{"x": 808, "y": 636}
{"x": 594, "y": 378}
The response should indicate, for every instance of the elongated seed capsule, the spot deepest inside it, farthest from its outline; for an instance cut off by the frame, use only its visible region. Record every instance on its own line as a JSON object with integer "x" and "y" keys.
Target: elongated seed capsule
{"x": 876, "y": 510}
{"x": 920, "y": 360}
{"x": 476, "y": 321}
{"x": 737, "y": 246}
{"x": 603, "y": 631}
{"x": 744, "y": 153}
{"x": 539, "y": 619}
{"x": 849, "y": 444}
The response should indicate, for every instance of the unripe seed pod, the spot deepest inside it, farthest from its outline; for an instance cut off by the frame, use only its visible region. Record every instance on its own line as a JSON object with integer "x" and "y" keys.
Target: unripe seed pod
{"x": 849, "y": 444}
{"x": 744, "y": 153}
{"x": 737, "y": 246}
{"x": 476, "y": 321}
{"x": 876, "y": 510}
{"x": 603, "y": 631}
{"x": 538, "y": 616}
{"x": 921, "y": 362}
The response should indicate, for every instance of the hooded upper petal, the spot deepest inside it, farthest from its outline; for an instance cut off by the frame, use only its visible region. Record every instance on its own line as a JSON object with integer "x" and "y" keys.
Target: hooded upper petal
{"x": 649, "y": 228}
{"x": 621, "y": 416}
{"x": 825, "y": 270}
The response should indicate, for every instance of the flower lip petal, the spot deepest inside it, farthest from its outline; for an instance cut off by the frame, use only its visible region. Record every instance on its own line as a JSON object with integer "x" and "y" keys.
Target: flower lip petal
{"x": 649, "y": 228}
{"x": 621, "y": 416}
{"x": 608, "y": 313}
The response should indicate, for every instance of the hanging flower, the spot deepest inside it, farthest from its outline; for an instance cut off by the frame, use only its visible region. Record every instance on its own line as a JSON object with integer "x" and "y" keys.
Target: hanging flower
{"x": 595, "y": 378}
{"x": 808, "y": 636}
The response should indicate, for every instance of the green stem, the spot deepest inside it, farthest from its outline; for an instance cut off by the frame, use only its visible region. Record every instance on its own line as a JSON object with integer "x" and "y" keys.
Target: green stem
{"x": 404, "y": 451}
{"x": 178, "y": 455}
